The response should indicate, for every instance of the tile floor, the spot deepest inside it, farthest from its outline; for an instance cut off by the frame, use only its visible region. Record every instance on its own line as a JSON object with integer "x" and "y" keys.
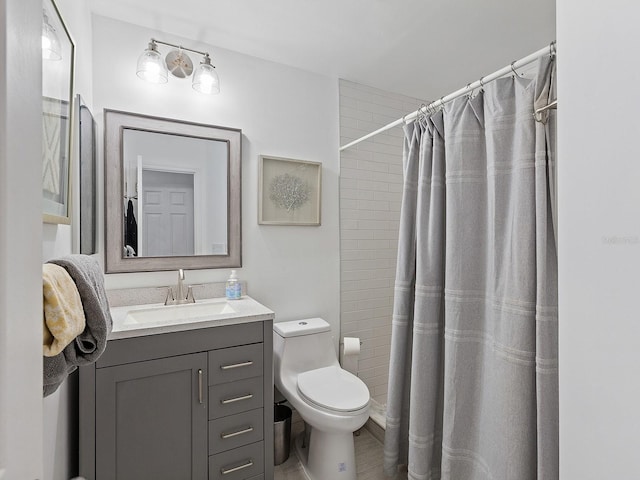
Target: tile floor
{"x": 368, "y": 458}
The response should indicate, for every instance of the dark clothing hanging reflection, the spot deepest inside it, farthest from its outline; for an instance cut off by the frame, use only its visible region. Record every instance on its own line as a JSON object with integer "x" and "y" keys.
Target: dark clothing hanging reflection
{"x": 131, "y": 230}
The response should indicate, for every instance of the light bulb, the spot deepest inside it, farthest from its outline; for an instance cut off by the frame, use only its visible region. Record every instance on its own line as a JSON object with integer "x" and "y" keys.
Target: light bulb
{"x": 205, "y": 78}
{"x": 50, "y": 43}
{"x": 151, "y": 66}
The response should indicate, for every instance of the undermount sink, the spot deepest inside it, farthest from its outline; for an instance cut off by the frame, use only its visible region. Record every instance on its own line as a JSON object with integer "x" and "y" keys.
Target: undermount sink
{"x": 154, "y": 318}
{"x": 180, "y": 313}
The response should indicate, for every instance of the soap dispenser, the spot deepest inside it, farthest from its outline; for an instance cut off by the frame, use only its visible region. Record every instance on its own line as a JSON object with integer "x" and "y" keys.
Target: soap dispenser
{"x": 234, "y": 289}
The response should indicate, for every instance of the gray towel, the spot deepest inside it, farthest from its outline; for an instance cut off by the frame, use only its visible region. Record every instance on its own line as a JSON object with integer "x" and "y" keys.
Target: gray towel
{"x": 89, "y": 345}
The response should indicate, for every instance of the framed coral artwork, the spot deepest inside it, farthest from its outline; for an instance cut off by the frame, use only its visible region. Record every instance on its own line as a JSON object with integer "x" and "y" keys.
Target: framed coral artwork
{"x": 289, "y": 191}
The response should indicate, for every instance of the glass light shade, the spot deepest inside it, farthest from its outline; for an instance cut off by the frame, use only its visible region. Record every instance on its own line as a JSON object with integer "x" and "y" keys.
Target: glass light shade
{"x": 205, "y": 78}
{"x": 151, "y": 66}
{"x": 50, "y": 43}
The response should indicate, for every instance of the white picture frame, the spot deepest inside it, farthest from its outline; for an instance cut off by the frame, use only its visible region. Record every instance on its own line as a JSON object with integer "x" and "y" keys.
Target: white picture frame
{"x": 289, "y": 191}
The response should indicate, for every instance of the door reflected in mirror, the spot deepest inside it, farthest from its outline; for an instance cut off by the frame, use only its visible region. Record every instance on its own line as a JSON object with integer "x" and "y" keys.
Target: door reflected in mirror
{"x": 172, "y": 194}
{"x": 175, "y": 195}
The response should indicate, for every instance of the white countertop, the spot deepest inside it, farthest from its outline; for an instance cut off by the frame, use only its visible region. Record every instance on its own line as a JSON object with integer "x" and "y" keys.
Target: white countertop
{"x": 244, "y": 310}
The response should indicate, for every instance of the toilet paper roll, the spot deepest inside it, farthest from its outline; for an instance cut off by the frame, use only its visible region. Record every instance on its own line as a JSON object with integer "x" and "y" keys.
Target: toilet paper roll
{"x": 350, "y": 353}
{"x": 351, "y": 346}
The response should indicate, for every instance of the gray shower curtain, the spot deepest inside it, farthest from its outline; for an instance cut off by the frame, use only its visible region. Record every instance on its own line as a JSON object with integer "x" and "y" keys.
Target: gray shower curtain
{"x": 473, "y": 379}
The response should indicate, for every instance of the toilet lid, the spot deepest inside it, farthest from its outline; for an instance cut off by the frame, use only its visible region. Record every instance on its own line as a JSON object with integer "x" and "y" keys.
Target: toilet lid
{"x": 333, "y": 388}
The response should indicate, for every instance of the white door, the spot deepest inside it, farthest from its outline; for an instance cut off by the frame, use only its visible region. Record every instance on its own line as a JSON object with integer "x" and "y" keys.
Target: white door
{"x": 167, "y": 210}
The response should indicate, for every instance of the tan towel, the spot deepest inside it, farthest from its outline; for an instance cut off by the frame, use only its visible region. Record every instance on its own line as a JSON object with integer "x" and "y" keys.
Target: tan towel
{"x": 63, "y": 315}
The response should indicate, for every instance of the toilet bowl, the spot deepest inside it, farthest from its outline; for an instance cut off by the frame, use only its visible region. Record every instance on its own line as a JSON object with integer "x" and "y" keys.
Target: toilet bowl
{"x": 333, "y": 402}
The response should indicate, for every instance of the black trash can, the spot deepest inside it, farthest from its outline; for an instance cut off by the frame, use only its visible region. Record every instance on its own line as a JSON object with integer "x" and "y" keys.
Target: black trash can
{"x": 281, "y": 433}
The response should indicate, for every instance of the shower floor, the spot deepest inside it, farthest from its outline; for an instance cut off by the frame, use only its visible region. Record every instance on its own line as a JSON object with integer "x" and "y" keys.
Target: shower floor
{"x": 378, "y": 413}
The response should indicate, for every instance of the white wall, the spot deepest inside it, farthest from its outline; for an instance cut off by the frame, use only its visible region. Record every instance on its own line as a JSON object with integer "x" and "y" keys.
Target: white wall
{"x": 282, "y": 112}
{"x": 20, "y": 237}
{"x": 60, "y": 409}
{"x": 599, "y": 238}
{"x": 370, "y": 197}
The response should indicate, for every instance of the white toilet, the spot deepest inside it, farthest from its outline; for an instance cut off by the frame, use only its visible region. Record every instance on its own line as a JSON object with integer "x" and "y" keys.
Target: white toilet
{"x": 332, "y": 401}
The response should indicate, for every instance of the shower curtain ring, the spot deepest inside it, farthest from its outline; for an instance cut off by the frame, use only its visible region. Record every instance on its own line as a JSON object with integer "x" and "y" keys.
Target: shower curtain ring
{"x": 442, "y": 102}
{"x": 514, "y": 70}
{"x": 481, "y": 83}
{"x": 469, "y": 90}
{"x": 552, "y": 49}
{"x": 421, "y": 114}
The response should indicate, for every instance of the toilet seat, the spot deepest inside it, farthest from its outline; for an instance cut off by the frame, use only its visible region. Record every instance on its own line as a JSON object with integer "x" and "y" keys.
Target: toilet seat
{"x": 334, "y": 389}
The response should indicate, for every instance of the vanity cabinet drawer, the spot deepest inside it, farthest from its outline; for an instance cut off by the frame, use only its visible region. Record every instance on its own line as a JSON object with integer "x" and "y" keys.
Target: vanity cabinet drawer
{"x": 235, "y": 430}
{"x": 235, "y": 397}
{"x": 236, "y": 363}
{"x": 239, "y": 464}
{"x": 138, "y": 349}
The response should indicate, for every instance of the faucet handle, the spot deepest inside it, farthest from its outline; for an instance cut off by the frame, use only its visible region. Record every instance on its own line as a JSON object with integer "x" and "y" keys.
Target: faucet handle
{"x": 190, "y": 298}
{"x": 170, "y": 300}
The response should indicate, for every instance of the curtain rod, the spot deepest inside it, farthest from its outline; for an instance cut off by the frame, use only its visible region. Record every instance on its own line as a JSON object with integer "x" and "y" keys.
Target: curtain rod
{"x": 550, "y": 50}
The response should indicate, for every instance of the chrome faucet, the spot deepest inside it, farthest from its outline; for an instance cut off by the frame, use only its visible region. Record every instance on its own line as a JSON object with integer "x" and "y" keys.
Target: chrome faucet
{"x": 180, "y": 287}
{"x": 181, "y": 297}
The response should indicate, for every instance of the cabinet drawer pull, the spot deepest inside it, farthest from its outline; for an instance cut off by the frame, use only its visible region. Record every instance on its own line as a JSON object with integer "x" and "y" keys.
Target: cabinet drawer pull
{"x": 236, "y": 399}
{"x": 236, "y": 365}
{"x": 224, "y": 436}
{"x": 200, "y": 386}
{"x": 226, "y": 471}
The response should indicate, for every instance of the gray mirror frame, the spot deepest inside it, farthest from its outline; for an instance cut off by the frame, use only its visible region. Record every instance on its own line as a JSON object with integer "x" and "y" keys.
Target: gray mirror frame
{"x": 114, "y": 123}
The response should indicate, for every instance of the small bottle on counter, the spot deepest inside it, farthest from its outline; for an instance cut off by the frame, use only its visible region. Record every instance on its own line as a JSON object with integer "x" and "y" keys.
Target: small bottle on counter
{"x": 234, "y": 289}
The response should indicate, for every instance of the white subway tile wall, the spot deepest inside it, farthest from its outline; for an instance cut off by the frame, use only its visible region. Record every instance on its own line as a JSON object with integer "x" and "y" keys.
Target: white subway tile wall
{"x": 370, "y": 197}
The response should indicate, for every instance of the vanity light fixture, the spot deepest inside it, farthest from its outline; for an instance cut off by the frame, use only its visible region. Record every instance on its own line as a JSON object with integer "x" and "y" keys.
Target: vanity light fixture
{"x": 154, "y": 69}
{"x": 50, "y": 42}
{"x": 151, "y": 66}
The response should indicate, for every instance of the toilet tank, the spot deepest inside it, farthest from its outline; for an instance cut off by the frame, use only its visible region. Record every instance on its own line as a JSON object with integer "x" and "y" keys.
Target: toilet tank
{"x": 303, "y": 345}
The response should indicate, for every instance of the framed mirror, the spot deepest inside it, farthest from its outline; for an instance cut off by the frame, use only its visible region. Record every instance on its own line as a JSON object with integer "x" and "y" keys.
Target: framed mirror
{"x": 58, "y": 56}
{"x": 86, "y": 127}
{"x": 173, "y": 194}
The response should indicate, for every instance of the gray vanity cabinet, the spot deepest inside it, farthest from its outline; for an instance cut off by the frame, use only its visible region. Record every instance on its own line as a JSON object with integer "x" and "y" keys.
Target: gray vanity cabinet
{"x": 152, "y": 419}
{"x": 189, "y": 405}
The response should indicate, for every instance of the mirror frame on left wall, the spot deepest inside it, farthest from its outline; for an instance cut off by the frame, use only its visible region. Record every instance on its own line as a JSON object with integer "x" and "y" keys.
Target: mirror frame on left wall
{"x": 115, "y": 122}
